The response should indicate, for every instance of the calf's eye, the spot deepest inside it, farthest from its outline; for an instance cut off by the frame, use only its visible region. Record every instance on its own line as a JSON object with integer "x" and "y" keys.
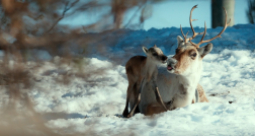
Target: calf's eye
{"x": 155, "y": 54}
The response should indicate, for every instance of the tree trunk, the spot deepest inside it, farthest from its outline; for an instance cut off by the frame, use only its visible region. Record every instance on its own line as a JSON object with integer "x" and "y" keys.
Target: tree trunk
{"x": 118, "y": 19}
{"x": 218, "y": 15}
{"x": 119, "y": 8}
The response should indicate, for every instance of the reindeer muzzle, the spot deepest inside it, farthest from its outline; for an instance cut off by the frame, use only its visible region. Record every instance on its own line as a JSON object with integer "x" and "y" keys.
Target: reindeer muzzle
{"x": 171, "y": 63}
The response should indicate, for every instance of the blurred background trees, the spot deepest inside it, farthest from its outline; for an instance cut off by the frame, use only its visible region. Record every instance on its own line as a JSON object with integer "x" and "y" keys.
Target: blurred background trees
{"x": 30, "y": 32}
{"x": 35, "y": 23}
{"x": 251, "y": 11}
{"x": 218, "y": 15}
{"x": 120, "y": 7}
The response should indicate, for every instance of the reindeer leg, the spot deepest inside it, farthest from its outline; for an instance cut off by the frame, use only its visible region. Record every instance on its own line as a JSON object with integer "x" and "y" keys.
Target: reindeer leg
{"x": 134, "y": 108}
{"x": 170, "y": 104}
{"x": 129, "y": 90}
{"x": 137, "y": 110}
{"x": 158, "y": 96}
{"x": 125, "y": 112}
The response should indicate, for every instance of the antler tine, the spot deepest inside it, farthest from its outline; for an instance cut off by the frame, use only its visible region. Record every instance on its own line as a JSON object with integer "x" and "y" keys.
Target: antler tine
{"x": 205, "y": 30}
{"x": 185, "y": 37}
{"x": 190, "y": 22}
{"x": 186, "y": 34}
{"x": 204, "y": 33}
{"x": 219, "y": 35}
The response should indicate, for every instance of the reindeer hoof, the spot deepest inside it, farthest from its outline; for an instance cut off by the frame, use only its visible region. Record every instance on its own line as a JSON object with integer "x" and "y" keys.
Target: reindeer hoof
{"x": 125, "y": 114}
{"x": 129, "y": 116}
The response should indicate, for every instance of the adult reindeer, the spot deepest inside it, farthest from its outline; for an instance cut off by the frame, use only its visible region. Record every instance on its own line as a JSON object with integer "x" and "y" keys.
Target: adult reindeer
{"x": 179, "y": 81}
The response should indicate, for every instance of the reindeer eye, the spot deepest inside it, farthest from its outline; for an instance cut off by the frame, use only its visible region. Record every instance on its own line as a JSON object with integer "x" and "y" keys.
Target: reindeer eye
{"x": 193, "y": 55}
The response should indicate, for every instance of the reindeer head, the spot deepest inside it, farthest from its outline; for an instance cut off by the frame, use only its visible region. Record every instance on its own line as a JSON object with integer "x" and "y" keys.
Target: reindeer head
{"x": 155, "y": 54}
{"x": 188, "y": 56}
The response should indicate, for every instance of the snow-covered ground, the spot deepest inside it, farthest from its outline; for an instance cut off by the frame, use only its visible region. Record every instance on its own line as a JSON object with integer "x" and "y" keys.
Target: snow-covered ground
{"x": 89, "y": 104}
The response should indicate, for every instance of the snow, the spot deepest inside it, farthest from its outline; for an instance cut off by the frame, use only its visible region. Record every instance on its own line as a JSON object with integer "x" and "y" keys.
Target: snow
{"x": 89, "y": 105}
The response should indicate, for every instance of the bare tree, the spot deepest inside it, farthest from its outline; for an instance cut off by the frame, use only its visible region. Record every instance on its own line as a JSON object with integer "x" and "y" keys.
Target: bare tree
{"x": 120, "y": 7}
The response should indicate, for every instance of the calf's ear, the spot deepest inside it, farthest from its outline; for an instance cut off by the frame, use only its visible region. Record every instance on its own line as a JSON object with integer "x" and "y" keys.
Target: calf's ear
{"x": 145, "y": 50}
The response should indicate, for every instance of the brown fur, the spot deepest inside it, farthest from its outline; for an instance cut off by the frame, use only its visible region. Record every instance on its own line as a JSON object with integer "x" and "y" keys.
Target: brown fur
{"x": 202, "y": 95}
{"x": 134, "y": 69}
{"x": 154, "y": 108}
{"x": 183, "y": 58}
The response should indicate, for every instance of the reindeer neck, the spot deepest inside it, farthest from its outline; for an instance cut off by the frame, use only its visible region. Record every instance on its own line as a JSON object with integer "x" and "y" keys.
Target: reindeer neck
{"x": 189, "y": 81}
{"x": 150, "y": 66}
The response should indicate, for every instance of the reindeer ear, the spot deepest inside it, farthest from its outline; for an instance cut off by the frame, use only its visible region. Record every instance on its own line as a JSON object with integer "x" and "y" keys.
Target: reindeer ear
{"x": 179, "y": 40}
{"x": 145, "y": 50}
{"x": 155, "y": 46}
{"x": 205, "y": 49}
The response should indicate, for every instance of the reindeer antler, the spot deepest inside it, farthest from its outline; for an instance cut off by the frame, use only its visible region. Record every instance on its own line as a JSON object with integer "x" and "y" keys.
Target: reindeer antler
{"x": 190, "y": 22}
{"x": 185, "y": 37}
{"x": 205, "y": 29}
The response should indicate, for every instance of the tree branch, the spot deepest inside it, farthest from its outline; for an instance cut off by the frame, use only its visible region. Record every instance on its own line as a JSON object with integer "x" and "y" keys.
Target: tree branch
{"x": 63, "y": 14}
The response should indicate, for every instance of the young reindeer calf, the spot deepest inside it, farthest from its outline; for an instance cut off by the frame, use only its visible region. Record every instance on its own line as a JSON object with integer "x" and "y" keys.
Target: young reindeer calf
{"x": 140, "y": 70}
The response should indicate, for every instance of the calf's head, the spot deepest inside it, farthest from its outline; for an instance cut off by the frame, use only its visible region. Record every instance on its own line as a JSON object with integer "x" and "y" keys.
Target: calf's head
{"x": 155, "y": 55}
